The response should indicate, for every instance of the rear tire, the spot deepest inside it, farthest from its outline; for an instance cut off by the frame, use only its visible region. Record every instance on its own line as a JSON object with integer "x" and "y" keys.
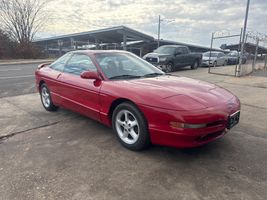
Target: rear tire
{"x": 46, "y": 98}
{"x": 130, "y": 127}
{"x": 195, "y": 65}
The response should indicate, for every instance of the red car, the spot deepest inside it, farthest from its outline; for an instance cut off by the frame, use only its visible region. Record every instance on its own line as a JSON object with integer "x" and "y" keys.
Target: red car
{"x": 140, "y": 102}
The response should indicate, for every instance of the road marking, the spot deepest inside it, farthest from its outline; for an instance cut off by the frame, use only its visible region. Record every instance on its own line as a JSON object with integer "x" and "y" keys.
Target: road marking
{"x": 6, "y": 70}
{"x": 10, "y": 77}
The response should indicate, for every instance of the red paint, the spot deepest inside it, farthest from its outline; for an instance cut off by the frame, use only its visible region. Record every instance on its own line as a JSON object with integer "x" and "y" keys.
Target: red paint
{"x": 161, "y": 99}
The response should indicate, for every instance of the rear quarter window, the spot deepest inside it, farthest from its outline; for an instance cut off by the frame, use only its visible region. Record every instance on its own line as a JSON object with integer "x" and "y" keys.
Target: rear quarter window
{"x": 58, "y": 65}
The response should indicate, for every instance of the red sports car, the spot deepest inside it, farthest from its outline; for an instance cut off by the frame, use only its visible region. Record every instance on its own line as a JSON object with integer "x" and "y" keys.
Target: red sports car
{"x": 142, "y": 104}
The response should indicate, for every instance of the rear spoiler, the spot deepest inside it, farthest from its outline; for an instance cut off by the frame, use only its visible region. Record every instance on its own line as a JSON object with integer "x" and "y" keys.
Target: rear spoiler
{"x": 43, "y": 65}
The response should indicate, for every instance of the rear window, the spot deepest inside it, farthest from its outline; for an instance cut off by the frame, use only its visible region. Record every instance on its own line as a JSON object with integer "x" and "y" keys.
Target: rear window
{"x": 212, "y": 54}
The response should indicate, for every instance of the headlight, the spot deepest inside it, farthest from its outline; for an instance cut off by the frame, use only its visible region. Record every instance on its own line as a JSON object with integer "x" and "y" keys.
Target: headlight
{"x": 178, "y": 125}
{"x": 163, "y": 59}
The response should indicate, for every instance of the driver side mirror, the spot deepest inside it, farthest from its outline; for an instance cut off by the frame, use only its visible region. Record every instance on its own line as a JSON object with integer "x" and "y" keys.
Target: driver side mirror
{"x": 90, "y": 75}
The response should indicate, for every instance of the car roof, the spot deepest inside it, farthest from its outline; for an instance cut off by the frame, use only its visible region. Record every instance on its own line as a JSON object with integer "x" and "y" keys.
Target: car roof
{"x": 213, "y": 52}
{"x": 98, "y": 51}
{"x": 172, "y": 45}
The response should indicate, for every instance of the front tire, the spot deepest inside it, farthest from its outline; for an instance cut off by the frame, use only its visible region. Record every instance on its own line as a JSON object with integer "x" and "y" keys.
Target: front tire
{"x": 169, "y": 67}
{"x": 46, "y": 98}
{"x": 130, "y": 127}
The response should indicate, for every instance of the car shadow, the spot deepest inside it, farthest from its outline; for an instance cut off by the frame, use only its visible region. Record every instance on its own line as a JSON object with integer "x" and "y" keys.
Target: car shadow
{"x": 183, "y": 69}
{"x": 154, "y": 151}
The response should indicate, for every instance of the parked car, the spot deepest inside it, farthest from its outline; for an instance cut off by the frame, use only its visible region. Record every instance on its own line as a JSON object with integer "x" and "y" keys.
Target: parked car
{"x": 171, "y": 57}
{"x": 141, "y": 103}
{"x": 234, "y": 56}
{"x": 214, "y": 59}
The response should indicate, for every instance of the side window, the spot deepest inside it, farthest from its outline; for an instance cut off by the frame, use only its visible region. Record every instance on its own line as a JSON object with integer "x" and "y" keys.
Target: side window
{"x": 78, "y": 64}
{"x": 179, "y": 51}
{"x": 59, "y": 63}
{"x": 185, "y": 50}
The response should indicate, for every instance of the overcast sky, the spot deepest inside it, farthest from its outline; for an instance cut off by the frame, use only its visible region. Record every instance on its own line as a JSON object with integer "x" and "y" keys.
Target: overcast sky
{"x": 183, "y": 20}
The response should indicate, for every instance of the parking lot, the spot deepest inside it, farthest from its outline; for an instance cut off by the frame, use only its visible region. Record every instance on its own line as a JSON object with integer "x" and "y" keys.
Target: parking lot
{"x": 64, "y": 155}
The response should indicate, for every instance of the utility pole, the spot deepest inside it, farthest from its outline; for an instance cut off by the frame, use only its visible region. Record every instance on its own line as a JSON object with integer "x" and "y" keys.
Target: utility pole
{"x": 243, "y": 38}
{"x": 159, "y": 30}
{"x": 159, "y": 23}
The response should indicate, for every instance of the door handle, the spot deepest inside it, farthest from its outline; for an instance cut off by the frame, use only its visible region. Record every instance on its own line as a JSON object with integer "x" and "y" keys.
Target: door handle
{"x": 58, "y": 76}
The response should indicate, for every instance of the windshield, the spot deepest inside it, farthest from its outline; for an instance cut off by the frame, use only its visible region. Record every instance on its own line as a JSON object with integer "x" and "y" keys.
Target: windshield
{"x": 125, "y": 66}
{"x": 212, "y": 54}
{"x": 233, "y": 54}
{"x": 165, "y": 50}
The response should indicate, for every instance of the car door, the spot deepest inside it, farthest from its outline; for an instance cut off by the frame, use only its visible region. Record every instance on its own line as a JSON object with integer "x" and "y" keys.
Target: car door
{"x": 53, "y": 73}
{"x": 80, "y": 95}
{"x": 179, "y": 57}
{"x": 221, "y": 59}
{"x": 186, "y": 56}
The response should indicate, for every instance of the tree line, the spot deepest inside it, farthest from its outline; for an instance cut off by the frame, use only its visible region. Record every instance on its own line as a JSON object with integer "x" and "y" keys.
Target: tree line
{"x": 20, "y": 20}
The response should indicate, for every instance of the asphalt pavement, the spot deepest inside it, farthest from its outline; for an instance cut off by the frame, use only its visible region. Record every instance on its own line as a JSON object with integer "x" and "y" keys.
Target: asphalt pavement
{"x": 17, "y": 79}
{"x": 63, "y": 155}
{"x": 261, "y": 73}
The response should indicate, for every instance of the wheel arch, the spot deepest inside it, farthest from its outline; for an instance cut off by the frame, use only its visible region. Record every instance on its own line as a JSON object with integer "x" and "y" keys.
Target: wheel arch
{"x": 117, "y": 102}
{"x": 197, "y": 60}
{"x": 171, "y": 61}
{"x": 41, "y": 82}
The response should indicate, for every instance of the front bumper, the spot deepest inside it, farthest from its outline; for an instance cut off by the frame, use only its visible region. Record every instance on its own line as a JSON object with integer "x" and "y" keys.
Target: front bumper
{"x": 232, "y": 61}
{"x": 173, "y": 139}
{"x": 162, "y": 134}
{"x": 207, "y": 63}
{"x": 161, "y": 66}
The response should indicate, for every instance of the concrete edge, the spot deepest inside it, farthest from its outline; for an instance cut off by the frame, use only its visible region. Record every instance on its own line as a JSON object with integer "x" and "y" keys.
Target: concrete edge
{"x": 26, "y": 62}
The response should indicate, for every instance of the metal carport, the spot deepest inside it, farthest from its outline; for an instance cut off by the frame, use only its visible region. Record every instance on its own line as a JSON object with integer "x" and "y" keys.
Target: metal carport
{"x": 118, "y": 37}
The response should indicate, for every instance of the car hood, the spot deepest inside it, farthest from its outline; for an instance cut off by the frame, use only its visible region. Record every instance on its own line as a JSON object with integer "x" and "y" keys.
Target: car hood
{"x": 174, "y": 93}
{"x": 207, "y": 58}
{"x": 156, "y": 55}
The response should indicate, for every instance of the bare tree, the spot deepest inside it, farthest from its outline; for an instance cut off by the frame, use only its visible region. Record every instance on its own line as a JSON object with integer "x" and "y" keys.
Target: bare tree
{"x": 7, "y": 46}
{"x": 21, "y": 19}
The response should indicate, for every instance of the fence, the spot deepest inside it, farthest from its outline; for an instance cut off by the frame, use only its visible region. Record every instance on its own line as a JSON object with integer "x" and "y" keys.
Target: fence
{"x": 233, "y": 63}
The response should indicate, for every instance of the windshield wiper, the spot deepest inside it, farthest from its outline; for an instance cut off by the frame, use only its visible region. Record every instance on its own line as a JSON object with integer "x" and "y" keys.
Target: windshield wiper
{"x": 124, "y": 76}
{"x": 153, "y": 74}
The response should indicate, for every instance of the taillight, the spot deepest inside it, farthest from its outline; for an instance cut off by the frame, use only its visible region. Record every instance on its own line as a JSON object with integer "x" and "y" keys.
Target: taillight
{"x": 42, "y": 65}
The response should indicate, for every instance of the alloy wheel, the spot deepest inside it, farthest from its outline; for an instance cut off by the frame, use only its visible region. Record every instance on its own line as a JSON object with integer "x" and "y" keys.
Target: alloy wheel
{"x": 45, "y": 97}
{"x": 169, "y": 67}
{"x": 127, "y": 127}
